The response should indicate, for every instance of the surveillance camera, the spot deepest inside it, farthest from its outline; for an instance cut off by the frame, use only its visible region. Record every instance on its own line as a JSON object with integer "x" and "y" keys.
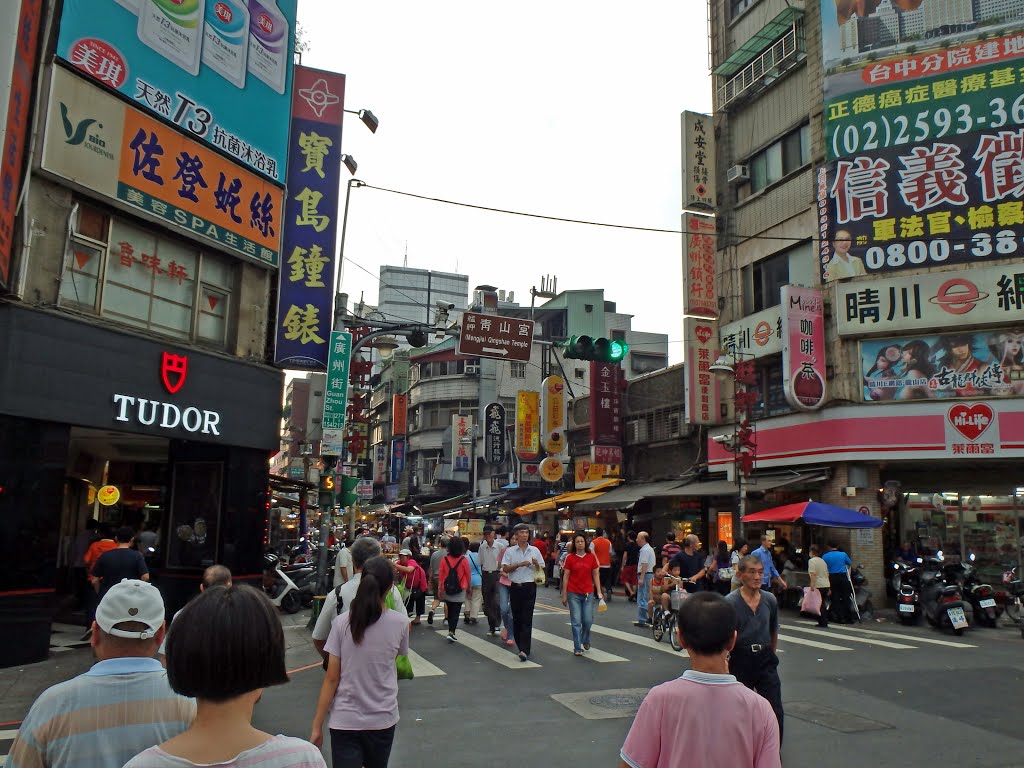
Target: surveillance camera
{"x": 445, "y": 306}
{"x": 721, "y": 439}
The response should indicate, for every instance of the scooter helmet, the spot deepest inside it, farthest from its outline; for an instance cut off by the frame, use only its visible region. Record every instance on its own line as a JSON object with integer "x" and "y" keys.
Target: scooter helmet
{"x": 270, "y": 561}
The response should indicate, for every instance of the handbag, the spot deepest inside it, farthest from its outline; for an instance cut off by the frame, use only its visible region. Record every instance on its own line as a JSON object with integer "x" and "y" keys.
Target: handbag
{"x": 811, "y": 603}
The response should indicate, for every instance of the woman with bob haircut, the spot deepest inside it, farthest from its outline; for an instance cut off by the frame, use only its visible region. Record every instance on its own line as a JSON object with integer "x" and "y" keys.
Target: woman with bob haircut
{"x": 223, "y": 649}
{"x": 360, "y": 689}
{"x": 581, "y": 580}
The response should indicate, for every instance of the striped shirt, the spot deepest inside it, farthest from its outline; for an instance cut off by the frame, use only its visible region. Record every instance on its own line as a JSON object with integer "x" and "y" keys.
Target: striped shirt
{"x": 276, "y": 752}
{"x": 101, "y": 718}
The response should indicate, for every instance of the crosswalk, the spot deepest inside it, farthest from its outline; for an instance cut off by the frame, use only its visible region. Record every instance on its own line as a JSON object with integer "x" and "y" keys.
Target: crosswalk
{"x": 616, "y": 644}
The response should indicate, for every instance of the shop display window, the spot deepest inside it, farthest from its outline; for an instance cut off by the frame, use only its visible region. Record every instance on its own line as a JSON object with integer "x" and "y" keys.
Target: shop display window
{"x": 131, "y": 275}
{"x": 195, "y": 514}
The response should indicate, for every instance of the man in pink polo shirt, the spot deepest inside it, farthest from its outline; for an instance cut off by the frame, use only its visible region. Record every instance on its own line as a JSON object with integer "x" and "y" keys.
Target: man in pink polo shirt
{"x": 705, "y": 716}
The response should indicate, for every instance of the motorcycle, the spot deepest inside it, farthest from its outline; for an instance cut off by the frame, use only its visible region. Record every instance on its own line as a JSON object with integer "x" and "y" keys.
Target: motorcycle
{"x": 862, "y": 595}
{"x": 942, "y": 600}
{"x": 981, "y": 596}
{"x": 289, "y": 588}
{"x": 906, "y": 583}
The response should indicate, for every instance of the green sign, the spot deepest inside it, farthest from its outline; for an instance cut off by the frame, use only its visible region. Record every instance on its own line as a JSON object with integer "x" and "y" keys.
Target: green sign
{"x": 336, "y": 391}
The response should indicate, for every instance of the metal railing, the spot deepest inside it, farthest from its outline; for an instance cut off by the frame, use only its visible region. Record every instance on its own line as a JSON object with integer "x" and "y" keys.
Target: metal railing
{"x": 784, "y": 53}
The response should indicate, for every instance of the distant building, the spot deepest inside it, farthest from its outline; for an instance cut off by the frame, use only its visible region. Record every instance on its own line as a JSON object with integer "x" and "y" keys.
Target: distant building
{"x": 412, "y": 295}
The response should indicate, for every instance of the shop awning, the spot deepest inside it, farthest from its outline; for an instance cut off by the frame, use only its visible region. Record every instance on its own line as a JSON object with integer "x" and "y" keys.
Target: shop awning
{"x": 626, "y": 496}
{"x": 767, "y": 35}
{"x": 757, "y": 483}
{"x": 564, "y": 499}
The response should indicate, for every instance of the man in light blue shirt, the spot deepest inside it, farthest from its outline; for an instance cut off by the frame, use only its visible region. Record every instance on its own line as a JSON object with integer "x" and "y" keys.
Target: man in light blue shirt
{"x": 764, "y": 554}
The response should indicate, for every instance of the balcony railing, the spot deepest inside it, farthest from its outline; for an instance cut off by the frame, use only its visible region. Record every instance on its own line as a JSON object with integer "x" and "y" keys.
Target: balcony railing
{"x": 783, "y": 54}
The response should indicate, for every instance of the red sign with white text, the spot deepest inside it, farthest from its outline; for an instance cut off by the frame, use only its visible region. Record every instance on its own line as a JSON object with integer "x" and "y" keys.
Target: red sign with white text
{"x": 605, "y": 403}
{"x": 703, "y": 398}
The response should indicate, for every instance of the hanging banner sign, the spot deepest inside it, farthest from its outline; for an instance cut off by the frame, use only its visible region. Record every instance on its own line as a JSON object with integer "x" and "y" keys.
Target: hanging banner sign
{"x": 397, "y": 459}
{"x": 380, "y": 462}
{"x": 305, "y": 288}
{"x": 399, "y": 415}
{"x": 553, "y": 414}
{"x": 699, "y": 294}
{"x": 803, "y": 349}
{"x": 605, "y": 404}
{"x": 698, "y": 161}
{"x": 527, "y": 425}
{"x": 703, "y": 398}
{"x": 462, "y": 442}
{"x": 494, "y": 433}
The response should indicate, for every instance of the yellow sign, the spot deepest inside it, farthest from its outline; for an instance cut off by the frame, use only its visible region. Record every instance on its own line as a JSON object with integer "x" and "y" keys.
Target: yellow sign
{"x": 527, "y": 424}
{"x": 108, "y": 495}
{"x": 587, "y": 474}
{"x": 552, "y": 469}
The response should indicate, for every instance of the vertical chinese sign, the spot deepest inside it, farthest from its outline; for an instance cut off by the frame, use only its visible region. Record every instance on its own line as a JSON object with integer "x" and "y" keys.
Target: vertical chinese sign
{"x": 306, "y": 281}
{"x": 462, "y": 442}
{"x": 698, "y": 161}
{"x": 336, "y": 393}
{"x": 399, "y": 415}
{"x": 606, "y": 411}
{"x": 494, "y": 433}
{"x": 397, "y": 459}
{"x": 19, "y": 37}
{"x": 803, "y": 347}
{"x": 527, "y": 424}
{"x": 699, "y": 294}
{"x": 703, "y": 396}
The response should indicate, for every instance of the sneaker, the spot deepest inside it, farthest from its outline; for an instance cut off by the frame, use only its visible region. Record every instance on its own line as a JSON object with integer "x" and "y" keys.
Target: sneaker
{"x": 451, "y": 637}
{"x": 641, "y": 624}
{"x": 523, "y": 656}
{"x": 492, "y": 632}
{"x": 510, "y": 641}
{"x": 430, "y": 617}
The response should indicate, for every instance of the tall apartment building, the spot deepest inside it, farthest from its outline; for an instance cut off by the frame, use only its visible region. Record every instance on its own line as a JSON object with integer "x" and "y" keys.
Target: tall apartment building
{"x": 921, "y": 364}
{"x": 412, "y": 295}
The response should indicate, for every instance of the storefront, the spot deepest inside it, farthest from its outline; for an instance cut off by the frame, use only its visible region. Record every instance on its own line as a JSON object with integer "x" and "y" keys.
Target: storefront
{"x": 181, "y": 434}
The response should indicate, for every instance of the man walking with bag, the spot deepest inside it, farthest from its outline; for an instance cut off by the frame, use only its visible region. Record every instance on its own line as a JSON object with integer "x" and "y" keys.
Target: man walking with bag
{"x": 521, "y": 562}
{"x": 490, "y": 566}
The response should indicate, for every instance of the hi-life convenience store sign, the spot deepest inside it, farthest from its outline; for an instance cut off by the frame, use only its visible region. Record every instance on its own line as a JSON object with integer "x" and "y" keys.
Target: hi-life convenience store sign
{"x": 96, "y": 142}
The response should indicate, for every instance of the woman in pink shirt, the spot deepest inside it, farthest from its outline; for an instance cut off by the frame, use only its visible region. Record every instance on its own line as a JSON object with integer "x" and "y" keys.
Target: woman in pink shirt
{"x": 360, "y": 689}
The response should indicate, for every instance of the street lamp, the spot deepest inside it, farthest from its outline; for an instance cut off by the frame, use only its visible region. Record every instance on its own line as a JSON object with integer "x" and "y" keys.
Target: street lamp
{"x": 369, "y": 119}
{"x": 741, "y": 442}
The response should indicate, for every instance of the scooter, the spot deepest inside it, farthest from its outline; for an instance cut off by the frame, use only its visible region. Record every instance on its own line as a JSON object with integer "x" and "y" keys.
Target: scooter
{"x": 942, "y": 601}
{"x": 908, "y": 593}
{"x": 288, "y": 588}
{"x": 981, "y": 596}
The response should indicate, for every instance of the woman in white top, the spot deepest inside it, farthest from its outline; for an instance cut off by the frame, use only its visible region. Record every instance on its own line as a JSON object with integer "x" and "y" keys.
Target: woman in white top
{"x": 737, "y": 554}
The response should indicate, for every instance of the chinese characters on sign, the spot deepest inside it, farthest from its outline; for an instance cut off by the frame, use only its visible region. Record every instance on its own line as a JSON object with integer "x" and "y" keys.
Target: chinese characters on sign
{"x": 399, "y": 415}
{"x": 527, "y": 424}
{"x": 954, "y": 365}
{"x": 703, "y": 399}
{"x": 803, "y": 350}
{"x": 698, "y": 161}
{"x": 972, "y": 429}
{"x": 553, "y": 414}
{"x": 503, "y": 338}
{"x": 462, "y": 442}
{"x": 336, "y": 387}
{"x": 605, "y": 404}
{"x": 397, "y": 459}
{"x": 306, "y": 280}
{"x": 757, "y": 335}
{"x": 494, "y": 433}
{"x": 700, "y": 296}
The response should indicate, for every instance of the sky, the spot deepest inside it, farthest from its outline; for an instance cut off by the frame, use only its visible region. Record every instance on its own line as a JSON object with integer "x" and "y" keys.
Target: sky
{"x": 558, "y": 107}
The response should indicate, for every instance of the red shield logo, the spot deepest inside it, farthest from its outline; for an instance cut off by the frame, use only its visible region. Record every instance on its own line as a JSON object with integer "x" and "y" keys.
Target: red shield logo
{"x": 173, "y": 371}
{"x": 971, "y": 420}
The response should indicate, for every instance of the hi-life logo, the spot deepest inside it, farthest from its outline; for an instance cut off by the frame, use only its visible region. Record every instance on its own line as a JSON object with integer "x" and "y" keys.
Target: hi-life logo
{"x": 78, "y": 133}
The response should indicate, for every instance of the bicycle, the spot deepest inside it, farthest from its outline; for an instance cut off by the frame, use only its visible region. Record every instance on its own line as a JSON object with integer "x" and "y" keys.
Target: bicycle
{"x": 665, "y": 622}
{"x": 1015, "y": 593}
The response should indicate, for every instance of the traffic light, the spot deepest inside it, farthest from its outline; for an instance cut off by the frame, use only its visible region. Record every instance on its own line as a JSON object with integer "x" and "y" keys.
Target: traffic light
{"x": 347, "y": 496}
{"x": 601, "y": 350}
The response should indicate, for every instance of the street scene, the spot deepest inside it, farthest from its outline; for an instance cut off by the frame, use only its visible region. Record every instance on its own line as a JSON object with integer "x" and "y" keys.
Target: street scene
{"x": 455, "y": 383}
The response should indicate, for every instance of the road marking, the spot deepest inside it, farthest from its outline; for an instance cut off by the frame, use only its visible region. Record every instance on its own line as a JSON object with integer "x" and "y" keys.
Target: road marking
{"x": 915, "y": 638}
{"x": 629, "y": 637}
{"x": 813, "y": 643}
{"x": 492, "y": 651}
{"x": 4, "y": 735}
{"x": 566, "y": 645}
{"x": 851, "y": 638}
{"x": 423, "y": 668}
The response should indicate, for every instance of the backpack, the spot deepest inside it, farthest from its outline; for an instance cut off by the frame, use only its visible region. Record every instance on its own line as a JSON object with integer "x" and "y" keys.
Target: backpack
{"x": 452, "y": 585}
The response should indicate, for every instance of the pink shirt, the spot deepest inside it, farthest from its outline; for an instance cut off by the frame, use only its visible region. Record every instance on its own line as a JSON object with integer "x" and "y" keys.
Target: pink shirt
{"x": 367, "y": 697}
{"x": 708, "y": 719}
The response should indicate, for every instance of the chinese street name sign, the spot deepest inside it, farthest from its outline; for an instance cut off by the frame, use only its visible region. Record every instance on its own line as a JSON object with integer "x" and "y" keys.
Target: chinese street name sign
{"x": 503, "y": 338}
{"x": 336, "y": 389}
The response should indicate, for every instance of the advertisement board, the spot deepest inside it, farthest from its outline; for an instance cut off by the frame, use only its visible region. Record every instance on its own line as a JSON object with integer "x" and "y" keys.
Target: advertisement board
{"x": 950, "y": 201}
{"x": 757, "y": 335}
{"x": 462, "y": 442}
{"x": 97, "y": 142}
{"x": 703, "y": 396}
{"x": 803, "y": 347}
{"x": 956, "y": 365}
{"x": 527, "y": 424}
{"x": 220, "y": 70}
{"x": 19, "y": 38}
{"x": 980, "y": 296}
{"x": 494, "y": 433}
{"x": 700, "y": 297}
{"x": 305, "y": 289}
{"x": 698, "y": 154}
{"x": 587, "y": 474}
{"x": 605, "y": 404}
{"x": 397, "y": 459}
{"x": 399, "y": 415}
{"x": 553, "y": 414}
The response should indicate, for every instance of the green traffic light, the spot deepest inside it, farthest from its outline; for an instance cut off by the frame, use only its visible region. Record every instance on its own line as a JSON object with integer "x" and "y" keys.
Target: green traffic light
{"x": 617, "y": 350}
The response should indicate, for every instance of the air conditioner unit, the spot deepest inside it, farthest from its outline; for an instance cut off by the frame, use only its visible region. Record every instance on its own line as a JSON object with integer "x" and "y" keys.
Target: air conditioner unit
{"x": 472, "y": 369}
{"x": 737, "y": 173}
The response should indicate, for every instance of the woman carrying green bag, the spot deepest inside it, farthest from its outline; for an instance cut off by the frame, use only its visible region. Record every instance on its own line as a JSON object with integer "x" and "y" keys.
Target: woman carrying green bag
{"x": 359, "y": 696}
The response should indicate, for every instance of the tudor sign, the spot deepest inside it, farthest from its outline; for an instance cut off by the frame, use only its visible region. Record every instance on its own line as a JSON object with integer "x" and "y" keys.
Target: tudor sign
{"x": 170, "y": 416}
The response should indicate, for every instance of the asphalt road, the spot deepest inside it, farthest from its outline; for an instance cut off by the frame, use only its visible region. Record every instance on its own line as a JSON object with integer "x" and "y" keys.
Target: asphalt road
{"x": 878, "y": 694}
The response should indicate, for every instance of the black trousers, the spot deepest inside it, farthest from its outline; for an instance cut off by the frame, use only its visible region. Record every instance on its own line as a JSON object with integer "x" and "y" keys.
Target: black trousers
{"x": 606, "y": 582}
{"x": 759, "y": 672}
{"x": 522, "y": 599}
{"x": 489, "y": 586}
{"x": 361, "y": 749}
{"x": 842, "y": 595}
{"x": 823, "y": 617}
{"x": 418, "y": 602}
{"x": 453, "y": 609}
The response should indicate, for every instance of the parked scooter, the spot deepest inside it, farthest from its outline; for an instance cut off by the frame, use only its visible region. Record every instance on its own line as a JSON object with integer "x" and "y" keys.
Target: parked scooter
{"x": 862, "y": 595}
{"x": 981, "y": 596}
{"x": 942, "y": 601}
{"x": 907, "y": 585}
{"x": 289, "y": 588}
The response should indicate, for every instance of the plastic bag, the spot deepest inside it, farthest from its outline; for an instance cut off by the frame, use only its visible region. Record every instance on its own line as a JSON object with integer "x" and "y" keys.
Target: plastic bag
{"x": 602, "y": 606}
{"x": 811, "y": 604}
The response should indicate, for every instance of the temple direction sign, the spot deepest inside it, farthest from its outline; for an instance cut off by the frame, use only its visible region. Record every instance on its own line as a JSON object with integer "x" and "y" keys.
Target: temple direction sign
{"x": 503, "y": 338}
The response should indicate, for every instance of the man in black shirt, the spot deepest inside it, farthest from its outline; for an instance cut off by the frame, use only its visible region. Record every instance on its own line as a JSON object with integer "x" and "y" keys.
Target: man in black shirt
{"x": 123, "y": 562}
{"x": 691, "y": 563}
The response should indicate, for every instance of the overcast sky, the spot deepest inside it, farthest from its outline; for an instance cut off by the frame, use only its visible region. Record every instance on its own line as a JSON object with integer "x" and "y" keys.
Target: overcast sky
{"x": 559, "y": 107}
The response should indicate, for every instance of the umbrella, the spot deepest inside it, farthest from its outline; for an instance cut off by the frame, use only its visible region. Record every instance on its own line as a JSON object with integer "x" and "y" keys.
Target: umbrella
{"x": 815, "y": 513}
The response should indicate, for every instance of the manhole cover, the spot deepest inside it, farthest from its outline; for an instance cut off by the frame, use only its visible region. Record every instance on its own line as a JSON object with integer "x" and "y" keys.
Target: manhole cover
{"x": 603, "y": 705}
{"x": 834, "y": 719}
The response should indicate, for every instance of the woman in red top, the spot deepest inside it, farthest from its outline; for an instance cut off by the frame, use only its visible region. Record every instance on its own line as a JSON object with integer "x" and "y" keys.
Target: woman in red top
{"x": 580, "y": 580}
{"x": 454, "y": 560}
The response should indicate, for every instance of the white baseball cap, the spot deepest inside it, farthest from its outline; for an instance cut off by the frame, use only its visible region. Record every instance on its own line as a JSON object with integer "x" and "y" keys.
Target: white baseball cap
{"x": 131, "y": 600}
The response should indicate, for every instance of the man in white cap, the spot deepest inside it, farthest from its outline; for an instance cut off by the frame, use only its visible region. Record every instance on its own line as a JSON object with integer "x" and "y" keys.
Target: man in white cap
{"x": 121, "y": 706}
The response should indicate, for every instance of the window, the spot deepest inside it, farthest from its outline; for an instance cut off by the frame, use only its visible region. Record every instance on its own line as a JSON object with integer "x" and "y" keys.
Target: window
{"x": 578, "y": 374}
{"x": 776, "y": 161}
{"x": 517, "y": 370}
{"x": 131, "y": 275}
{"x": 737, "y": 7}
{"x": 772, "y": 400}
{"x": 763, "y": 281}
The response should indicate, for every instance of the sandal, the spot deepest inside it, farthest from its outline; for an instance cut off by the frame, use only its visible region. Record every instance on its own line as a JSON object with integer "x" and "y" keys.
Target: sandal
{"x": 586, "y": 647}
{"x": 577, "y": 653}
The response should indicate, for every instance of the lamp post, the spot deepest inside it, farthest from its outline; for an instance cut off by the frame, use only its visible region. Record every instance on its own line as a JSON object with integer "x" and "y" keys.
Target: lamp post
{"x": 741, "y": 442}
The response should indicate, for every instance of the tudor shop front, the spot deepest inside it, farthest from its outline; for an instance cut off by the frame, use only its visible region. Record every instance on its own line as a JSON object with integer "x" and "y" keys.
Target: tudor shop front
{"x": 104, "y": 424}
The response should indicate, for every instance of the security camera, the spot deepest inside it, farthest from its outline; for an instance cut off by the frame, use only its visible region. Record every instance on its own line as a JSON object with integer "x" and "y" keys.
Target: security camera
{"x": 721, "y": 439}
{"x": 444, "y": 305}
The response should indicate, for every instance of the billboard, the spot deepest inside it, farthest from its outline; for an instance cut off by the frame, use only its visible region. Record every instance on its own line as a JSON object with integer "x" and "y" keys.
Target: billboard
{"x": 527, "y": 424}
{"x": 605, "y": 403}
{"x": 306, "y": 284}
{"x": 494, "y": 433}
{"x": 980, "y": 296}
{"x": 463, "y": 438}
{"x": 700, "y": 296}
{"x": 19, "y": 38}
{"x": 958, "y": 365}
{"x": 703, "y": 395}
{"x": 698, "y": 153}
{"x": 803, "y": 350}
{"x": 99, "y": 143}
{"x": 757, "y": 335}
{"x": 218, "y": 69}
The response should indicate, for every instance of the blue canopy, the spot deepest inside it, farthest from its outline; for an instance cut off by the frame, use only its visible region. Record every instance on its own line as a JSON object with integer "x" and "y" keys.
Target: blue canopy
{"x": 815, "y": 513}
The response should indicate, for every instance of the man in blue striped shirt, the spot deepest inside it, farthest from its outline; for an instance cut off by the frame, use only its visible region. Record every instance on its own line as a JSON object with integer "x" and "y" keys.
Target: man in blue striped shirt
{"x": 764, "y": 554}
{"x": 121, "y": 706}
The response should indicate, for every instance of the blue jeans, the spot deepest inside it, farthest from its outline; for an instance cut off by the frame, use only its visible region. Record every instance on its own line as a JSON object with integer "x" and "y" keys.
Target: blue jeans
{"x": 581, "y": 616}
{"x": 505, "y": 606}
{"x": 643, "y": 594}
